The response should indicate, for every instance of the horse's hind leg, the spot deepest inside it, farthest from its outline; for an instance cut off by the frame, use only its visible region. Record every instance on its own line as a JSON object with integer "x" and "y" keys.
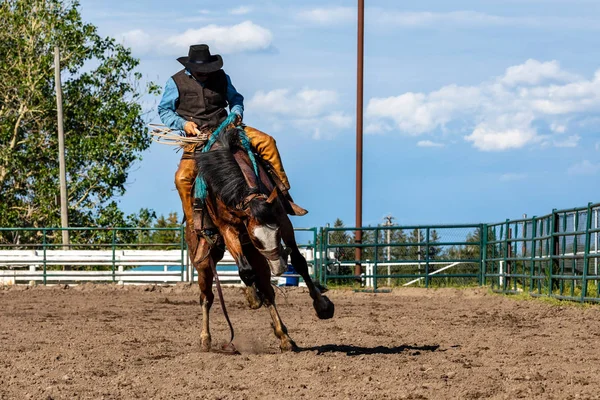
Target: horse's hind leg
{"x": 203, "y": 258}
{"x": 205, "y": 278}
{"x": 322, "y": 305}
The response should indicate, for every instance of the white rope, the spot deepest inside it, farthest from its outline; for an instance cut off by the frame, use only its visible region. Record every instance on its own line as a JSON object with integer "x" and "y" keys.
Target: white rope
{"x": 163, "y": 135}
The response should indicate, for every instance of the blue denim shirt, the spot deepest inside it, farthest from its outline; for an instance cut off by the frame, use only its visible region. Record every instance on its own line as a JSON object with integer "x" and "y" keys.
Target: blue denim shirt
{"x": 167, "y": 105}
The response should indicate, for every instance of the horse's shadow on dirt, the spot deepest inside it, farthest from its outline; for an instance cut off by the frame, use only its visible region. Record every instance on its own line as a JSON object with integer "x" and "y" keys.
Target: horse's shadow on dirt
{"x": 351, "y": 350}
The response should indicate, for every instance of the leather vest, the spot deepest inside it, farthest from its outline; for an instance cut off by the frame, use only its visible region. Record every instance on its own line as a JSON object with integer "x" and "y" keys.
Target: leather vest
{"x": 203, "y": 105}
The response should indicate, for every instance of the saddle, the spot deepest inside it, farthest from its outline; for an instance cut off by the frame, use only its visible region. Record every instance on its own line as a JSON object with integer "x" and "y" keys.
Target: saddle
{"x": 268, "y": 180}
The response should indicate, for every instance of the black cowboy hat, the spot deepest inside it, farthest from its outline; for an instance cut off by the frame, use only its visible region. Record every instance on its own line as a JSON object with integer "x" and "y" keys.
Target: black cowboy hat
{"x": 200, "y": 60}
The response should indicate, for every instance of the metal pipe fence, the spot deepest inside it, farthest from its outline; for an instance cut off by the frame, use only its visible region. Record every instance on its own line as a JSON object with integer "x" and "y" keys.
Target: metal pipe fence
{"x": 554, "y": 255}
{"x": 436, "y": 255}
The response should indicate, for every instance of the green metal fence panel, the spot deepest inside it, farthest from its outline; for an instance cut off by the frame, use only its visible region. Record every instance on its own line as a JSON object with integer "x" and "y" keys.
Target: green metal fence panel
{"x": 554, "y": 255}
{"x": 403, "y": 255}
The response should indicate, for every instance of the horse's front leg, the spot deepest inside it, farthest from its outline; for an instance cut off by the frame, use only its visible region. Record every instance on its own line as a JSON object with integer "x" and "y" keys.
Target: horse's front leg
{"x": 286, "y": 342}
{"x": 322, "y": 305}
{"x": 263, "y": 283}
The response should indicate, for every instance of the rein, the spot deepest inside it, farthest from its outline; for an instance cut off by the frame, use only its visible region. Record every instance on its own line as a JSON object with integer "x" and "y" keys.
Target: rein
{"x": 222, "y": 302}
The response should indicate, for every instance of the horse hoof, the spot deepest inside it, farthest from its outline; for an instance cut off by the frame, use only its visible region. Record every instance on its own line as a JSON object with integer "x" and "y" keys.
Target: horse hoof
{"x": 324, "y": 312}
{"x": 288, "y": 345}
{"x": 205, "y": 346}
{"x": 255, "y": 301}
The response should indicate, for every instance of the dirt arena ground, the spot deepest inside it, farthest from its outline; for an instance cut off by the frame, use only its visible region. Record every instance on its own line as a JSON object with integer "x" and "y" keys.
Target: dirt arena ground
{"x": 109, "y": 342}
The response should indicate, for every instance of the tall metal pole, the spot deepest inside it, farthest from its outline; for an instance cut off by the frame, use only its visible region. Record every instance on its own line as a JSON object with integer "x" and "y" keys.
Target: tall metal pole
{"x": 64, "y": 218}
{"x": 359, "y": 132}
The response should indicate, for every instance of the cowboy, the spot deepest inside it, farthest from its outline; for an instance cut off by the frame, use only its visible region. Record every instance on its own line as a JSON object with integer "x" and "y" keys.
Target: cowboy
{"x": 195, "y": 101}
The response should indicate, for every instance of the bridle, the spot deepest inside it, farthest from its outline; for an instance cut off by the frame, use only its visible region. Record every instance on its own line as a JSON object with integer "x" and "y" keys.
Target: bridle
{"x": 245, "y": 204}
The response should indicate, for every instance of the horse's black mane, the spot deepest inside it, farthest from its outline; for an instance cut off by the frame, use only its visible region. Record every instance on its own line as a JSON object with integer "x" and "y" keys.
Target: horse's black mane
{"x": 224, "y": 177}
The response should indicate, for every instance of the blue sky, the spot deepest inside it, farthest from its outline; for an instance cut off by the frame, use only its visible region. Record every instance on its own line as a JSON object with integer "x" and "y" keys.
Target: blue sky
{"x": 475, "y": 111}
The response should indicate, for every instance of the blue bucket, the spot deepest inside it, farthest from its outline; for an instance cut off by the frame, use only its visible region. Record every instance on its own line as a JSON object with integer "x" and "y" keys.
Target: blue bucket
{"x": 291, "y": 280}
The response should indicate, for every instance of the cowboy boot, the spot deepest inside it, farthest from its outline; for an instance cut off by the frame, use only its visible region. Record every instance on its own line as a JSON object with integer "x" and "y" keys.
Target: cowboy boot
{"x": 184, "y": 181}
{"x": 195, "y": 215}
{"x": 266, "y": 147}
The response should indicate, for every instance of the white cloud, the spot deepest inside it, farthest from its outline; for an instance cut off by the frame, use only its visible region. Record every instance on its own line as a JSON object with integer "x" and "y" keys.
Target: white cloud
{"x": 138, "y": 40}
{"x": 512, "y": 176}
{"x": 571, "y": 141}
{"x": 308, "y": 110}
{"x": 463, "y": 19}
{"x": 378, "y": 127}
{"x": 504, "y": 133}
{"x": 245, "y": 36}
{"x": 429, "y": 143}
{"x": 558, "y": 128}
{"x": 584, "y": 168}
{"x": 386, "y": 18}
{"x": 224, "y": 39}
{"x": 417, "y": 113}
{"x": 340, "y": 120}
{"x": 501, "y": 114}
{"x": 306, "y": 103}
{"x": 328, "y": 16}
{"x": 241, "y": 10}
{"x": 532, "y": 72}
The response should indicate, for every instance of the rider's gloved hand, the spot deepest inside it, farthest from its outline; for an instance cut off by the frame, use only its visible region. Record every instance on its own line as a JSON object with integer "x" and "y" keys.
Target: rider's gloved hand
{"x": 238, "y": 120}
{"x": 237, "y": 110}
{"x": 190, "y": 128}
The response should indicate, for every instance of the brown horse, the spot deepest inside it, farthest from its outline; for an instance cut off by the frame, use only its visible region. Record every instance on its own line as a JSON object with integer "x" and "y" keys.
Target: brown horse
{"x": 252, "y": 220}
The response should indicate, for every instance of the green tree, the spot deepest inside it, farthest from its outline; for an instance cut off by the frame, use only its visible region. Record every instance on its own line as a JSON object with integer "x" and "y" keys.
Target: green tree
{"x": 398, "y": 252}
{"x": 434, "y": 251}
{"x": 341, "y": 237}
{"x": 105, "y": 131}
{"x": 416, "y": 236}
{"x": 167, "y": 236}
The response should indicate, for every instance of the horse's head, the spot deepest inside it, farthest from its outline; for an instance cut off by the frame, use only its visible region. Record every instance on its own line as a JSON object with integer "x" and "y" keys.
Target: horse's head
{"x": 226, "y": 171}
{"x": 263, "y": 228}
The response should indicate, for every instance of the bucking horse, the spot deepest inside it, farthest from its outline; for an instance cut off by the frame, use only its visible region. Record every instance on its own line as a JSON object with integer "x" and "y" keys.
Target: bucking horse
{"x": 250, "y": 214}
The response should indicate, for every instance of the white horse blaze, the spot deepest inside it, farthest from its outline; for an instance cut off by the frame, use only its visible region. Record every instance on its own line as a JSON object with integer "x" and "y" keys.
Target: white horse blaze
{"x": 269, "y": 238}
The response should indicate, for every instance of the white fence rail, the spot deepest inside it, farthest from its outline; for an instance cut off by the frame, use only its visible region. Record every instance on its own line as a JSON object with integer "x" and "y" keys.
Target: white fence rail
{"x": 27, "y": 266}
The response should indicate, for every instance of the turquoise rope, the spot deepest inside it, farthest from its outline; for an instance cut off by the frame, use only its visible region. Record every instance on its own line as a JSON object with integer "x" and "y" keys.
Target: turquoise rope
{"x": 201, "y": 186}
{"x": 245, "y": 140}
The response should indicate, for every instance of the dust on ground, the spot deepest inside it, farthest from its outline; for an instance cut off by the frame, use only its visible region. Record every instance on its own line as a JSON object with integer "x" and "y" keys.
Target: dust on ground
{"x": 104, "y": 341}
